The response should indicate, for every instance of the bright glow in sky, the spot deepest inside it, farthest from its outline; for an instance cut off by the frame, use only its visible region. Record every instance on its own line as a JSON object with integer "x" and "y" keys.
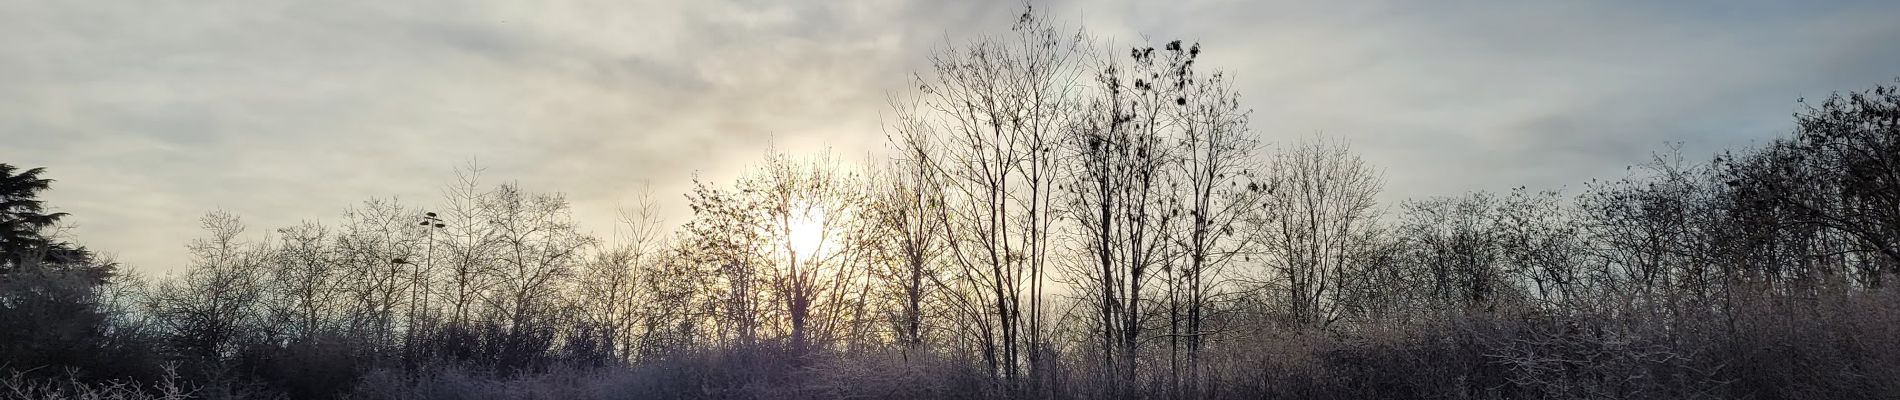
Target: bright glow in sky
{"x": 151, "y": 113}
{"x": 809, "y": 235}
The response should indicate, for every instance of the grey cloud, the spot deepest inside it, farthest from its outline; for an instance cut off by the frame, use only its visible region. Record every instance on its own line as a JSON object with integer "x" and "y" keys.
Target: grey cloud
{"x": 153, "y": 113}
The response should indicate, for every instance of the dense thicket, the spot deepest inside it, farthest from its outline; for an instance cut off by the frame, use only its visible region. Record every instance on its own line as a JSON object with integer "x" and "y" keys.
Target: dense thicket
{"x": 1056, "y": 221}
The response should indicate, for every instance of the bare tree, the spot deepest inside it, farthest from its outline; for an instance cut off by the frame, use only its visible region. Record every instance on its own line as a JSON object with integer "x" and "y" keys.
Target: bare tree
{"x": 1216, "y": 164}
{"x": 209, "y": 310}
{"x": 1121, "y": 196}
{"x": 723, "y": 240}
{"x": 468, "y": 243}
{"x": 377, "y": 240}
{"x": 538, "y": 250}
{"x": 673, "y": 288}
{"x": 1542, "y": 242}
{"x": 1650, "y": 230}
{"x": 905, "y": 224}
{"x": 790, "y": 224}
{"x": 1844, "y": 153}
{"x": 997, "y": 109}
{"x": 807, "y": 208}
{"x": 1453, "y": 242}
{"x": 1317, "y": 217}
{"x": 611, "y": 282}
{"x": 305, "y": 282}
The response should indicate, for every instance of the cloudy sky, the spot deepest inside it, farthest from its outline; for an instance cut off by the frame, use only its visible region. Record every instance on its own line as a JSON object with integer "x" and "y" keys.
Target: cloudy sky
{"x": 151, "y": 113}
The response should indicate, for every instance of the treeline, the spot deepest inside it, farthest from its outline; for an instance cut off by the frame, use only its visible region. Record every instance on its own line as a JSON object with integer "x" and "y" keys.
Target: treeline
{"x": 1056, "y": 221}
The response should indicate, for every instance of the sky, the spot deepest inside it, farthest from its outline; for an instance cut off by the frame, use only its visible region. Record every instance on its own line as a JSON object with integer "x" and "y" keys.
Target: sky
{"x": 151, "y": 113}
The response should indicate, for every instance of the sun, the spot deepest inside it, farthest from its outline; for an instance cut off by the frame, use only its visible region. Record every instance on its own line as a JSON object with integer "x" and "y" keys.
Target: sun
{"x": 807, "y": 232}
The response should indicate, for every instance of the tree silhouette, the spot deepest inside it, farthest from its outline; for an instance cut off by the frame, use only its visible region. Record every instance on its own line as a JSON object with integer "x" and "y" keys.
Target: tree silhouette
{"x": 52, "y": 302}
{"x": 24, "y": 219}
{"x": 996, "y": 109}
{"x": 1316, "y": 221}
